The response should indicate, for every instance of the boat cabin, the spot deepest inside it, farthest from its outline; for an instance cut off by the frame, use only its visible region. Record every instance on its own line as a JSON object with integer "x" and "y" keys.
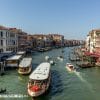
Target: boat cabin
{"x": 21, "y": 53}
{"x": 39, "y": 80}
{"x": 41, "y": 74}
{"x": 13, "y": 61}
{"x": 25, "y": 65}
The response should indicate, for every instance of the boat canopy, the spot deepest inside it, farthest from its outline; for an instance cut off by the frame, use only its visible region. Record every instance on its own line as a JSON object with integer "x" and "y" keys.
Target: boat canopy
{"x": 41, "y": 72}
{"x": 21, "y": 52}
{"x": 15, "y": 57}
{"x": 25, "y": 62}
{"x": 92, "y": 54}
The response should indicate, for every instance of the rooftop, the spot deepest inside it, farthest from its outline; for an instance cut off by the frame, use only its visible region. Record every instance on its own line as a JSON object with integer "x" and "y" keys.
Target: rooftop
{"x": 15, "y": 57}
{"x": 25, "y": 62}
{"x": 41, "y": 72}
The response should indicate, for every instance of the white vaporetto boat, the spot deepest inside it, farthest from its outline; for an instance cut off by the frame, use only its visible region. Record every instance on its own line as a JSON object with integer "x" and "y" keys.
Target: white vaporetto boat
{"x": 39, "y": 80}
{"x": 13, "y": 61}
{"x": 70, "y": 67}
{"x": 25, "y": 66}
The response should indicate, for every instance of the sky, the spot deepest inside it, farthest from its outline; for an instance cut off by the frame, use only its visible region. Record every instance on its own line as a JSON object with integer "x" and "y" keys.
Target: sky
{"x": 71, "y": 18}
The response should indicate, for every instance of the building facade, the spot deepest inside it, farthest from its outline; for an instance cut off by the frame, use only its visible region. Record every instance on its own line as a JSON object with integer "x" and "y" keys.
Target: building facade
{"x": 42, "y": 40}
{"x": 93, "y": 41}
{"x": 58, "y": 40}
{"x": 8, "y": 40}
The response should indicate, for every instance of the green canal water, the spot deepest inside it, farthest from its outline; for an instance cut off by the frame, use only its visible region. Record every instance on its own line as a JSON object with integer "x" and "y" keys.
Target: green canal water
{"x": 84, "y": 84}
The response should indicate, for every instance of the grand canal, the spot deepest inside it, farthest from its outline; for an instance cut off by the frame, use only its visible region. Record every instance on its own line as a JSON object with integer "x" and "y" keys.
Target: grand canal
{"x": 84, "y": 84}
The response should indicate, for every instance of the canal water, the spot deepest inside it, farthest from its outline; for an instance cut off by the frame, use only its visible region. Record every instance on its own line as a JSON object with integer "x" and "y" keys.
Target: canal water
{"x": 84, "y": 84}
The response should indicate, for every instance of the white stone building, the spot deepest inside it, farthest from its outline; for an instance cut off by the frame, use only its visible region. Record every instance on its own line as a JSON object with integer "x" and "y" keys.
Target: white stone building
{"x": 93, "y": 41}
{"x": 8, "y": 40}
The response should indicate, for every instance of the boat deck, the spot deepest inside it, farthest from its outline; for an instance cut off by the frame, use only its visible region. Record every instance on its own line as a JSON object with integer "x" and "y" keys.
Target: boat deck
{"x": 25, "y": 62}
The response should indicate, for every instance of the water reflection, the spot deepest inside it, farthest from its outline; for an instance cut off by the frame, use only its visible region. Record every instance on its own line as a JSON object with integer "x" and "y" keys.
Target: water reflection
{"x": 56, "y": 83}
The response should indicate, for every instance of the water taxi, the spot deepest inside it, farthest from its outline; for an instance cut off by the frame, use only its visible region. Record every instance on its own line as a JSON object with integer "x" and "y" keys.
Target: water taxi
{"x": 25, "y": 66}
{"x": 39, "y": 80}
{"x": 70, "y": 67}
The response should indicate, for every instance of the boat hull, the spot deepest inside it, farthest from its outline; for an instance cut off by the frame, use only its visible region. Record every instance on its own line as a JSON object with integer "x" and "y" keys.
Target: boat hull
{"x": 25, "y": 72}
{"x": 39, "y": 80}
{"x": 36, "y": 94}
{"x": 70, "y": 70}
{"x": 42, "y": 91}
{"x": 70, "y": 67}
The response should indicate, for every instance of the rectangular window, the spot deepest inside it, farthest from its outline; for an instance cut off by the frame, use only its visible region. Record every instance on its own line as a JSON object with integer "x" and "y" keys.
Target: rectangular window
{"x": 1, "y": 42}
{"x": 6, "y": 34}
{"x": 12, "y": 35}
{"x": 1, "y": 34}
{"x": 1, "y": 50}
{"x": 6, "y": 42}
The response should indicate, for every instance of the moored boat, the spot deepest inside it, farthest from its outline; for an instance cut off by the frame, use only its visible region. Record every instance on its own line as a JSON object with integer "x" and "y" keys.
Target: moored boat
{"x": 25, "y": 66}
{"x": 39, "y": 80}
{"x": 70, "y": 67}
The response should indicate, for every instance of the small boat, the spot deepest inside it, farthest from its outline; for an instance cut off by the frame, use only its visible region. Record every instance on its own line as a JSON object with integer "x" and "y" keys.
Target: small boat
{"x": 39, "y": 80}
{"x": 47, "y": 58}
{"x": 3, "y": 90}
{"x": 52, "y": 62}
{"x": 25, "y": 66}
{"x": 70, "y": 67}
{"x": 60, "y": 58}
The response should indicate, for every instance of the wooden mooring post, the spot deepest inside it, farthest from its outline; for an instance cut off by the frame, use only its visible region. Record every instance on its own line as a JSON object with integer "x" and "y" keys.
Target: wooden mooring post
{"x": 2, "y": 68}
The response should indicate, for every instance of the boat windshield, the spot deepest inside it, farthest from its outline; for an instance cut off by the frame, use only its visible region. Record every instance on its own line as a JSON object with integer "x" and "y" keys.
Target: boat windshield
{"x": 71, "y": 67}
{"x": 38, "y": 82}
{"x": 24, "y": 69}
{"x": 11, "y": 61}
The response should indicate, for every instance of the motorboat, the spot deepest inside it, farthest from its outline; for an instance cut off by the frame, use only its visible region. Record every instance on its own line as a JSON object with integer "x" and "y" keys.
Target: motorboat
{"x": 70, "y": 67}
{"x": 47, "y": 58}
{"x": 25, "y": 66}
{"x": 60, "y": 58}
{"x": 52, "y": 62}
{"x": 39, "y": 80}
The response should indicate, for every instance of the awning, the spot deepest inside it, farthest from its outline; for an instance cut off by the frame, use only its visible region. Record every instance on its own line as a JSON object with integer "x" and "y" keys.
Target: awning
{"x": 92, "y": 54}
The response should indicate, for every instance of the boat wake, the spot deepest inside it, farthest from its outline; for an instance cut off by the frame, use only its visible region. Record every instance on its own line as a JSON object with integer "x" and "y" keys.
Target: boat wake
{"x": 79, "y": 76}
{"x": 20, "y": 78}
{"x": 83, "y": 80}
